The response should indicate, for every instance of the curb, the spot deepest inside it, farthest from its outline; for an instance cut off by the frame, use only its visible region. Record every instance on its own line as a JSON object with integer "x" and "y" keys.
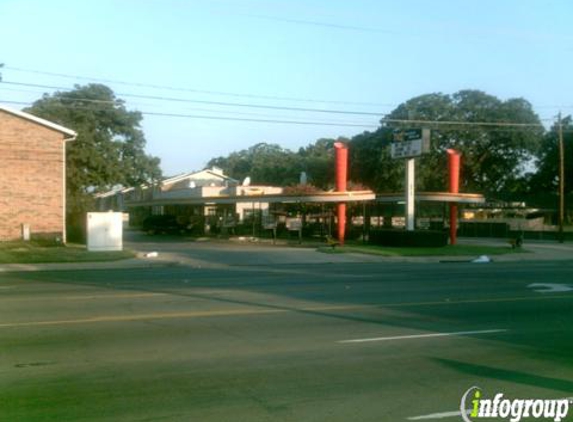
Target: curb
{"x": 130, "y": 264}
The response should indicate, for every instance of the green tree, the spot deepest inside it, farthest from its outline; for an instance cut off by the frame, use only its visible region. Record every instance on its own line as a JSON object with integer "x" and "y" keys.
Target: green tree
{"x": 494, "y": 160}
{"x": 263, "y": 163}
{"x": 317, "y": 160}
{"x": 274, "y": 165}
{"x": 109, "y": 149}
{"x": 371, "y": 164}
{"x": 546, "y": 178}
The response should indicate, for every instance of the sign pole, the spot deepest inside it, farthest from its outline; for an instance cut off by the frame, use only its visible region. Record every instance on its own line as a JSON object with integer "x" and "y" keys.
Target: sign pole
{"x": 410, "y": 143}
{"x": 561, "y": 236}
{"x": 410, "y": 194}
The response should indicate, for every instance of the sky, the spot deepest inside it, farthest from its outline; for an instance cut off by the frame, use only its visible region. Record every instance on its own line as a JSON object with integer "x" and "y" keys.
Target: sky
{"x": 240, "y": 72}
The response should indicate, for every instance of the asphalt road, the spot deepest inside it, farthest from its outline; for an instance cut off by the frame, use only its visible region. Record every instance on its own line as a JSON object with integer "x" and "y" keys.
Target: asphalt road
{"x": 320, "y": 342}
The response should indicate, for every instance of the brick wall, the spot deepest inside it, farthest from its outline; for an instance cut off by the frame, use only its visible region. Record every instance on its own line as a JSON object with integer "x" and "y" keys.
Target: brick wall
{"x": 31, "y": 178}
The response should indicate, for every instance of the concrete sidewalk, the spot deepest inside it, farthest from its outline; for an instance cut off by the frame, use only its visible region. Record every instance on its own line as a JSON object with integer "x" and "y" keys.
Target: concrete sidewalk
{"x": 533, "y": 250}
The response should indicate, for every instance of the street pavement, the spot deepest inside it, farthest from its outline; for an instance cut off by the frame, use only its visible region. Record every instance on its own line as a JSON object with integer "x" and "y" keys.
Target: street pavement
{"x": 209, "y": 253}
{"x": 245, "y": 333}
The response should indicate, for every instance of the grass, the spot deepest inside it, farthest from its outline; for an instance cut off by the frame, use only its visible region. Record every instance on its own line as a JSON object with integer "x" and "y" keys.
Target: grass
{"x": 35, "y": 252}
{"x": 450, "y": 250}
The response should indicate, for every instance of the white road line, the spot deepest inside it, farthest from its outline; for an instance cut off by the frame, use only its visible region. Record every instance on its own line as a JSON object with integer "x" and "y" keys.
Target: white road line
{"x": 550, "y": 287}
{"x": 420, "y": 336}
{"x": 53, "y": 298}
{"x": 441, "y": 415}
{"x": 452, "y": 414}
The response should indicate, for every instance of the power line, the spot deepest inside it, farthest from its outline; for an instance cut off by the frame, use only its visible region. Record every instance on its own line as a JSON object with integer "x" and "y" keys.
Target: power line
{"x": 232, "y": 94}
{"x": 497, "y": 126}
{"x": 240, "y": 119}
{"x": 244, "y": 119}
{"x": 544, "y": 119}
{"x": 323, "y": 24}
{"x": 232, "y": 113}
{"x": 145, "y": 105}
{"x": 300, "y": 109}
{"x": 459, "y": 123}
{"x": 197, "y": 91}
{"x": 219, "y": 103}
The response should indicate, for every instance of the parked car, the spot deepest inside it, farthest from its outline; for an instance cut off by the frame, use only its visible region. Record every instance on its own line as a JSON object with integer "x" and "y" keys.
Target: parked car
{"x": 155, "y": 224}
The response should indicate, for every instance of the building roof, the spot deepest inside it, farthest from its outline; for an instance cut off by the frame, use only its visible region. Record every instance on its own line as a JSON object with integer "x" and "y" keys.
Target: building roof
{"x": 461, "y": 198}
{"x": 212, "y": 173}
{"x": 46, "y": 123}
{"x": 318, "y": 197}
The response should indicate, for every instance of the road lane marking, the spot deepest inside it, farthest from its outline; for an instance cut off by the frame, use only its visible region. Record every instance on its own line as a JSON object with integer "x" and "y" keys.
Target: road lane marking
{"x": 421, "y": 336}
{"x": 175, "y": 315}
{"x": 277, "y": 309}
{"x": 454, "y": 413}
{"x": 550, "y": 287}
{"x": 441, "y": 415}
{"x": 85, "y": 297}
{"x": 142, "y": 317}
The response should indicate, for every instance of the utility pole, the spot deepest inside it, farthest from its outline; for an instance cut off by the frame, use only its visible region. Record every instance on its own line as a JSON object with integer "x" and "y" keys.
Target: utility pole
{"x": 410, "y": 194}
{"x": 561, "y": 178}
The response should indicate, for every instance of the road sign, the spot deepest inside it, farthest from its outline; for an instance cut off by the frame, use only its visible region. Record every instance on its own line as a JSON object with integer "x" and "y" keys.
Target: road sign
{"x": 410, "y": 143}
{"x": 294, "y": 224}
{"x": 269, "y": 222}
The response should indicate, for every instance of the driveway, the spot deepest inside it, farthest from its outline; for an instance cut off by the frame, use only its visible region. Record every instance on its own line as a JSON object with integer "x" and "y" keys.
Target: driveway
{"x": 210, "y": 253}
{"x": 213, "y": 253}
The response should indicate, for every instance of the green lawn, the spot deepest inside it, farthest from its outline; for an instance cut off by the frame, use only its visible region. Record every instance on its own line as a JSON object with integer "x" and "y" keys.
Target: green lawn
{"x": 450, "y": 250}
{"x": 32, "y": 252}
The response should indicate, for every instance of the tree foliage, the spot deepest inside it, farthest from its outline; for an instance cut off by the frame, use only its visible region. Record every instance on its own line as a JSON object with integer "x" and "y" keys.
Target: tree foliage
{"x": 317, "y": 160}
{"x": 494, "y": 157}
{"x": 263, "y": 163}
{"x": 546, "y": 178}
{"x": 371, "y": 164}
{"x": 109, "y": 149}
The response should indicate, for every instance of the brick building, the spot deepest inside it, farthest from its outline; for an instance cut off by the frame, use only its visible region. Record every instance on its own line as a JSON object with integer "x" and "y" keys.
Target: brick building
{"x": 32, "y": 176}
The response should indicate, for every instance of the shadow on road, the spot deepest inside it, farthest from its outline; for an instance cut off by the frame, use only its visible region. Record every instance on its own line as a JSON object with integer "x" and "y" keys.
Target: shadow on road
{"x": 516, "y": 377}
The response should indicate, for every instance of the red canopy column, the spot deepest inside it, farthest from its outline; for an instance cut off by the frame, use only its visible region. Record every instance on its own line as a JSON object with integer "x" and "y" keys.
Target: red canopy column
{"x": 454, "y": 158}
{"x": 341, "y": 151}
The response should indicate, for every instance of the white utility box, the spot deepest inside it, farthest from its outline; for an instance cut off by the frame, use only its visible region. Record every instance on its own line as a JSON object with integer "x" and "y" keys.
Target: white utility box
{"x": 105, "y": 231}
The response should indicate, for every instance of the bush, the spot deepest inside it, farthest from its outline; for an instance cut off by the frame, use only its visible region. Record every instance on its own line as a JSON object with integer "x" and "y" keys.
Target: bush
{"x": 403, "y": 238}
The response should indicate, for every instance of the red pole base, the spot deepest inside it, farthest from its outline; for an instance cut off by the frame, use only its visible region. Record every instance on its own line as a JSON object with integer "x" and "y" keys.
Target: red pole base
{"x": 341, "y": 223}
{"x": 453, "y": 224}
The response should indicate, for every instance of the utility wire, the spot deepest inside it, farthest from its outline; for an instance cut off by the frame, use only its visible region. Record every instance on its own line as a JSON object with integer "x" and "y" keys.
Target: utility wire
{"x": 450, "y": 125}
{"x": 69, "y": 102}
{"x": 198, "y": 91}
{"x": 240, "y": 119}
{"x": 311, "y": 110}
{"x": 223, "y": 93}
{"x": 324, "y": 24}
{"x": 219, "y": 103}
{"x": 118, "y": 102}
{"x": 244, "y": 119}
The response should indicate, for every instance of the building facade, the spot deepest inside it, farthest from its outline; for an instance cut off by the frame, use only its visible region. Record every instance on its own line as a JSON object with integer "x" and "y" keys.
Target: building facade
{"x": 32, "y": 176}
{"x": 191, "y": 196}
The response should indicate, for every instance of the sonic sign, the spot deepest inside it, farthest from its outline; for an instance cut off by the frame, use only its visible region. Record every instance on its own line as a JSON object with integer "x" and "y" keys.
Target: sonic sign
{"x": 410, "y": 143}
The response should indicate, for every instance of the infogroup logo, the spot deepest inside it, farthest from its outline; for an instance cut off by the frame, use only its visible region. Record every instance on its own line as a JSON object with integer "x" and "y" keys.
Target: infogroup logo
{"x": 512, "y": 409}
